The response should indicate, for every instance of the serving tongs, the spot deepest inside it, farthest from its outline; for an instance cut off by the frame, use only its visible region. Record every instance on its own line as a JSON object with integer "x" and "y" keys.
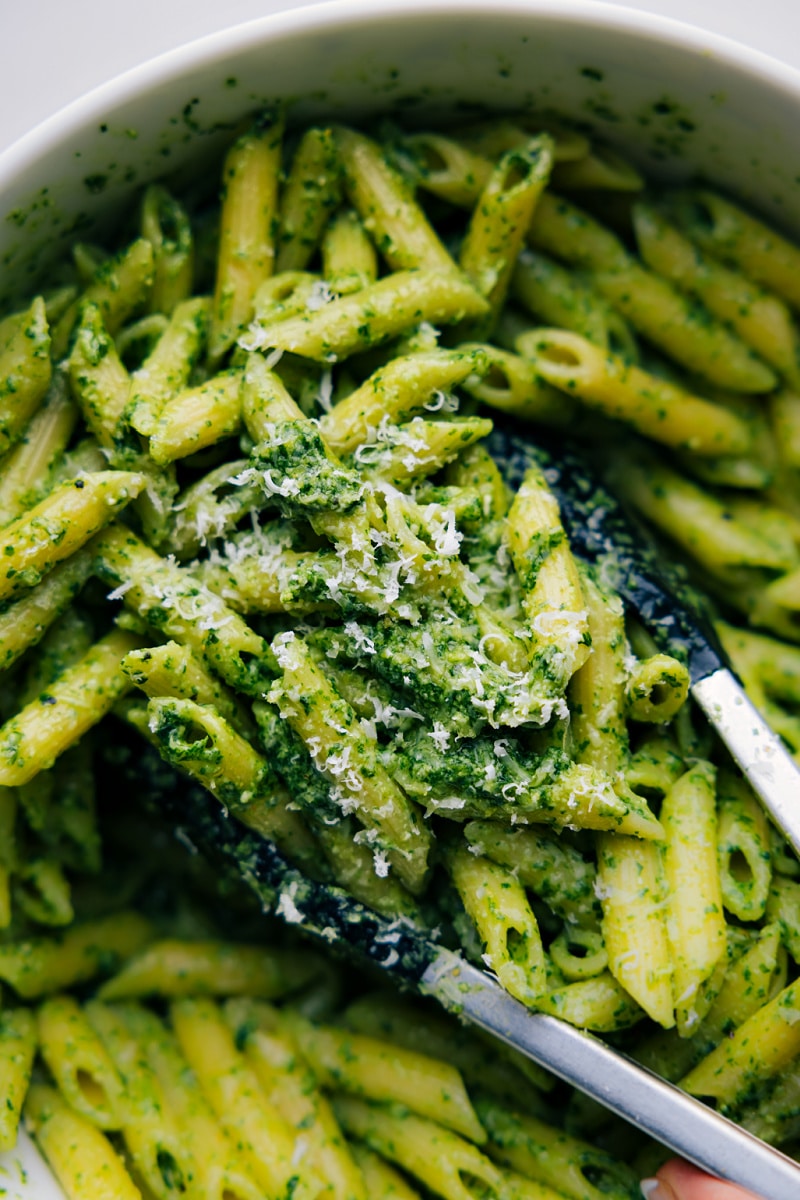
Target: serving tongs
{"x": 601, "y": 533}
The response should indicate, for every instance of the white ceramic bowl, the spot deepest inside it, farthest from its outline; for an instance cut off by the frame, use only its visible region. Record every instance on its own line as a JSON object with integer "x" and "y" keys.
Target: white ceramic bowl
{"x": 678, "y": 99}
{"x": 681, "y": 100}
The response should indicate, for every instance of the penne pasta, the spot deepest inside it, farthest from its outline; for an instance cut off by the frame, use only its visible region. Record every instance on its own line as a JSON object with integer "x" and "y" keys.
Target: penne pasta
{"x": 78, "y": 1153}
{"x": 652, "y": 406}
{"x": 246, "y": 246}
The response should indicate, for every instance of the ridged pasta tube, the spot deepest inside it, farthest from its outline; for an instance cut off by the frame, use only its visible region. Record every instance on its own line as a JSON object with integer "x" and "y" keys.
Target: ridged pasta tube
{"x": 153, "y": 1141}
{"x": 601, "y": 169}
{"x": 208, "y": 509}
{"x": 598, "y": 730}
{"x": 345, "y": 754}
{"x": 632, "y": 891}
{"x": 219, "y": 1173}
{"x": 172, "y": 670}
{"x": 265, "y": 1139}
{"x": 426, "y": 1031}
{"x": 745, "y": 866}
{"x": 446, "y": 167}
{"x": 198, "y": 741}
{"x": 293, "y": 1088}
{"x": 656, "y": 688}
{"x": 579, "y": 954}
{"x": 249, "y": 211}
{"x": 382, "y": 1181}
{"x": 695, "y": 922}
{"x": 25, "y": 622}
{"x": 197, "y": 418}
{"x": 654, "y": 308}
{"x": 655, "y": 765}
{"x": 75, "y": 1149}
{"x": 385, "y": 1073}
{"x": 100, "y": 383}
{"x": 310, "y": 194}
{"x": 60, "y": 524}
{"x": 80, "y": 1063}
{"x": 761, "y": 320}
{"x": 500, "y": 220}
{"x": 420, "y": 448}
{"x": 496, "y": 903}
{"x": 652, "y": 406}
{"x": 695, "y": 518}
{"x": 36, "y": 966}
{"x": 747, "y": 986}
{"x": 512, "y": 384}
{"x": 119, "y": 288}
{"x": 600, "y": 1004}
{"x": 724, "y": 229}
{"x": 171, "y": 967}
{"x": 166, "y": 226}
{"x": 32, "y": 740}
{"x": 402, "y": 388}
{"x": 394, "y": 220}
{"x": 28, "y": 469}
{"x": 436, "y": 1156}
{"x": 177, "y": 604}
{"x": 25, "y": 370}
{"x": 553, "y": 600}
{"x": 166, "y": 369}
{"x": 18, "y": 1043}
{"x": 757, "y": 1050}
{"x": 374, "y": 314}
{"x": 561, "y": 298}
{"x": 354, "y": 863}
{"x": 349, "y": 260}
{"x": 551, "y": 1157}
{"x": 543, "y": 863}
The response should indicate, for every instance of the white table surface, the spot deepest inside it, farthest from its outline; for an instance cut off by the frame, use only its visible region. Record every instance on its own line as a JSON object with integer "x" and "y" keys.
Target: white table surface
{"x": 52, "y": 51}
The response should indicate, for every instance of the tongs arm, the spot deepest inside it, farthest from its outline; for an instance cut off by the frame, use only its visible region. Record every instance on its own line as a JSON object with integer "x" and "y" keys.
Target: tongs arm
{"x": 764, "y": 760}
{"x": 657, "y": 1108}
{"x": 601, "y": 532}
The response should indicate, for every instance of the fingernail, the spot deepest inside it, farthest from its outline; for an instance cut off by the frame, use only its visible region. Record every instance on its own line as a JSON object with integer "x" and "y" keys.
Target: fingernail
{"x": 656, "y": 1189}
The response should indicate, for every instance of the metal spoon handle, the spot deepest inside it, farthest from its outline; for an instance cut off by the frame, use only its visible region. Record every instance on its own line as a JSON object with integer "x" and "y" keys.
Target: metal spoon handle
{"x": 765, "y": 761}
{"x": 684, "y": 1124}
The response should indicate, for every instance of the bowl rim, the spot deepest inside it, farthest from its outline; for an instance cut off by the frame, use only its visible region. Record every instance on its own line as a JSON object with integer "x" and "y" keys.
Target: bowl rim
{"x": 339, "y": 14}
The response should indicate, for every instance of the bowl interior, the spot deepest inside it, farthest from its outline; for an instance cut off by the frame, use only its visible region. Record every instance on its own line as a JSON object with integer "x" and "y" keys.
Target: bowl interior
{"x": 678, "y": 100}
